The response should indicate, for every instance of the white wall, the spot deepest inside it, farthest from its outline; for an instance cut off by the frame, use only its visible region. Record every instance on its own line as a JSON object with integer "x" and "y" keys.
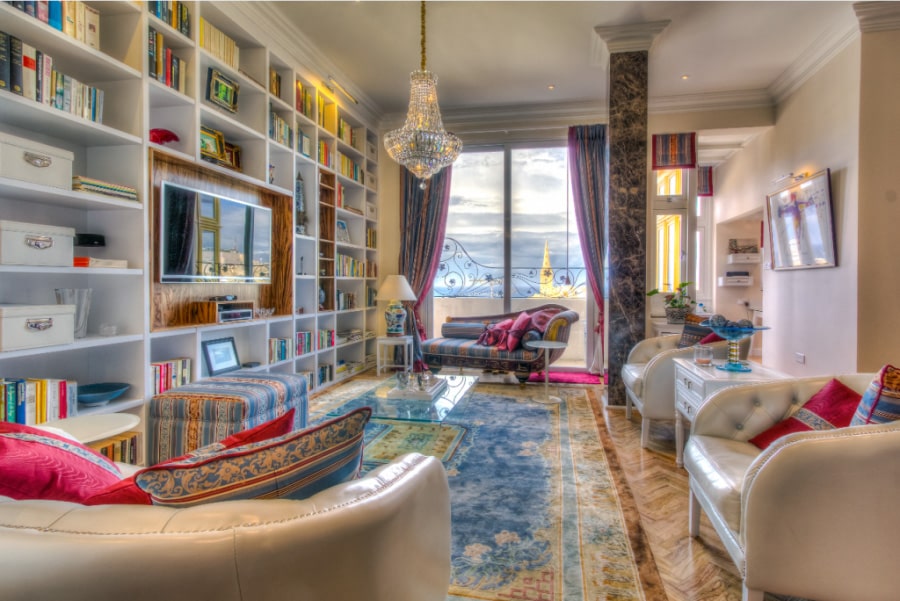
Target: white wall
{"x": 810, "y": 311}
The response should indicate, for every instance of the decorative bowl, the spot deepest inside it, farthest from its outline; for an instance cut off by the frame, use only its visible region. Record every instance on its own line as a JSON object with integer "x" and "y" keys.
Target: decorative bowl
{"x": 101, "y": 393}
{"x": 733, "y": 334}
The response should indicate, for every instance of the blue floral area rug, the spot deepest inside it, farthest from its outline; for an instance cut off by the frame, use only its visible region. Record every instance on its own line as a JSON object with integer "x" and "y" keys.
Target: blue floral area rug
{"x": 538, "y": 512}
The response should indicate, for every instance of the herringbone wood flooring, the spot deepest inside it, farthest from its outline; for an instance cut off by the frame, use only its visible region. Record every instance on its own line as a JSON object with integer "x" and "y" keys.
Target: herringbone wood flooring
{"x": 691, "y": 569}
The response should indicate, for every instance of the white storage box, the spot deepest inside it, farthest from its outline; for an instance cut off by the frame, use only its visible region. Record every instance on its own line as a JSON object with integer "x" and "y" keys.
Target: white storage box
{"x": 33, "y": 162}
{"x": 35, "y": 244}
{"x": 29, "y": 326}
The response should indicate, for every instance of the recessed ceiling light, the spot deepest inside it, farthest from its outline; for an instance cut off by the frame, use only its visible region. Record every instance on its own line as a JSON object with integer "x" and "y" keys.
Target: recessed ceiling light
{"x": 551, "y": 87}
{"x": 685, "y": 76}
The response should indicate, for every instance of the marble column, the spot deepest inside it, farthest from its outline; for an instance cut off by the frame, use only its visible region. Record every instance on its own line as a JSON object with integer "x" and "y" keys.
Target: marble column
{"x": 626, "y": 210}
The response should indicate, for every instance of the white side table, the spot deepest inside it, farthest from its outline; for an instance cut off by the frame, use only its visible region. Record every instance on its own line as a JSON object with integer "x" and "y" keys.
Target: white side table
{"x": 694, "y": 384}
{"x": 388, "y": 344}
{"x": 547, "y": 345}
{"x": 91, "y": 428}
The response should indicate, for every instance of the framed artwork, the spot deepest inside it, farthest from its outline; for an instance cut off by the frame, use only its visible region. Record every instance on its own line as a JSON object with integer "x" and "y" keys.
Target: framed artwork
{"x": 220, "y": 356}
{"x": 212, "y": 144}
{"x": 232, "y": 157}
{"x": 341, "y": 233}
{"x": 801, "y": 224}
{"x": 221, "y": 90}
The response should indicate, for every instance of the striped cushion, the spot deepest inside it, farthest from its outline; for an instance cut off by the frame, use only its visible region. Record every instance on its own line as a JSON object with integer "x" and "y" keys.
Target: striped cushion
{"x": 462, "y": 329}
{"x": 692, "y": 334}
{"x": 293, "y": 466}
{"x": 881, "y": 401}
{"x": 458, "y": 347}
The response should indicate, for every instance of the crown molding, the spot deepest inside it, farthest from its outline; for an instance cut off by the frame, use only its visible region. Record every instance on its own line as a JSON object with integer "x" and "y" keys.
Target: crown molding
{"x": 267, "y": 22}
{"x": 688, "y": 103}
{"x": 635, "y": 37}
{"x": 877, "y": 16}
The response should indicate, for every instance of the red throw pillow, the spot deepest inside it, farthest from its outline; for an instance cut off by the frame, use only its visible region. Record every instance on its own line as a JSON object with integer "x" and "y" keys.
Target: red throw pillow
{"x": 521, "y": 325}
{"x": 36, "y": 464}
{"x": 495, "y": 334}
{"x": 126, "y": 492}
{"x": 711, "y": 337}
{"x": 540, "y": 319}
{"x": 832, "y": 407}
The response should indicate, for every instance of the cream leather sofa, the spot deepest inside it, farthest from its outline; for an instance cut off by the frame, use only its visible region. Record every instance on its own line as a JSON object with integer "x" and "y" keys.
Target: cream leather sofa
{"x": 649, "y": 377}
{"x": 384, "y": 537}
{"x": 815, "y": 514}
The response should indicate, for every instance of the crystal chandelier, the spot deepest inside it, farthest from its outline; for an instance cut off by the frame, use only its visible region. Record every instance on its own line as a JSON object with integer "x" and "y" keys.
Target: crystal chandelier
{"x": 422, "y": 145}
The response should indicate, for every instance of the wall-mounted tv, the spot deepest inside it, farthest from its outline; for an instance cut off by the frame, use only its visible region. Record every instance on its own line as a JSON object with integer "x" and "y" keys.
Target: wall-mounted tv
{"x": 210, "y": 238}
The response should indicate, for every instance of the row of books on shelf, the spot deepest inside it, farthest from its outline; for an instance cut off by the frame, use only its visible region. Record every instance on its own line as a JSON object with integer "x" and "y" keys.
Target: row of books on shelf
{"x": 323, "y": 339}
{"x": 370, "y": 237}
{"x": 81, "y": 183}
{"x": 218, "y": 44}
{"x": 304, "y": 100}
{"x": 349, "y": 134}
{"x": 33, "y": 401}
{"x": 27, "y": 71}
{"x": 304, "y": 343}
{"x": 163, "y": 65}
{"x": 122, "y": 448}
{"x": 175, "y": 14}
{"x": 325, "y": 114}
{"x": 280, "y": 349}
{"x": 351, "y": 335}
{"x": 279, "y": 129}
{"x": 348, "y": 267}
{"x": 350, "y": 168}
{"x": 170, "y": 374}
{"x": 345, "y": 369}
{"x": 310, "y": 378}
{"x": 323, "y": 155}
{"x": 326, "y": 374}
{"x": 74, "y": 18}
{"x": 344, "y": 301}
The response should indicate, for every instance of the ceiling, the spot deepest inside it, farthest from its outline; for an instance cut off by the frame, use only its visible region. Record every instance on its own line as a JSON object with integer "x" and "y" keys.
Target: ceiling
{"x": 495, "y": 56}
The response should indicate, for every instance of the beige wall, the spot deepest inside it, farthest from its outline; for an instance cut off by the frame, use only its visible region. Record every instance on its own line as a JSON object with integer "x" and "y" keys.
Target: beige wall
{"x": 388, "y": 223}
{"x": 810, "y": 311}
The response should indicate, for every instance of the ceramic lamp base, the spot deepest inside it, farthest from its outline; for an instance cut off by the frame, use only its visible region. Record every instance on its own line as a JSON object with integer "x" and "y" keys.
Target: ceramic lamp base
{"x": 395, "y": 315}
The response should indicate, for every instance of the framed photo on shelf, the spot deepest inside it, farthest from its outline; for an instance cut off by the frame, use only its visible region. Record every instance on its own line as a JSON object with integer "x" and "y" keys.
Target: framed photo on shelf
{"x": 212, "y": 144}
{"x": 222, "y": 91}
{"x": 232, "y": 157}
{"x": 801, "y": 224}
{"x": 220, "y": 356}
{"x": 341, "y": 233}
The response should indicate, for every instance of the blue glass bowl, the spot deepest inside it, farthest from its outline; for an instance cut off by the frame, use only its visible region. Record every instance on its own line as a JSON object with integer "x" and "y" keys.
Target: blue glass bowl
{"x": 733, "y": 334}
{"x": 101, "y": 393}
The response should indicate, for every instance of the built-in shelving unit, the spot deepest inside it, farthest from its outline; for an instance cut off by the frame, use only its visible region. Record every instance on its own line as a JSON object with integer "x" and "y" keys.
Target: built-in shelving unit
{"x": 298, "y": 145}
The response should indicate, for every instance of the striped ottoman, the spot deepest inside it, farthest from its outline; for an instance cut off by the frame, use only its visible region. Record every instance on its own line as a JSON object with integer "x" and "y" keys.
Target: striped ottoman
{"x": 194, "y": 415}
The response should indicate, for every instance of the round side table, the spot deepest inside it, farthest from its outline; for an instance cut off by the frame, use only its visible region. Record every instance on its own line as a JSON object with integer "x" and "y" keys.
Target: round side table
{"x": 547, "y": 345}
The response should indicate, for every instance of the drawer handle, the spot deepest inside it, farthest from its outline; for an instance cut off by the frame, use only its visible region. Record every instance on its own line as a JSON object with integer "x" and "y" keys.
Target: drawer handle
{"x": 39, "y": 324}
{"x": 38, "y": 160}
{"x": 39, "y": 242}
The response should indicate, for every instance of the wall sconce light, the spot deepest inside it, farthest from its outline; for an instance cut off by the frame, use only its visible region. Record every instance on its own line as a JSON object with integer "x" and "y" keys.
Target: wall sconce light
{"x": 342, "y": 89}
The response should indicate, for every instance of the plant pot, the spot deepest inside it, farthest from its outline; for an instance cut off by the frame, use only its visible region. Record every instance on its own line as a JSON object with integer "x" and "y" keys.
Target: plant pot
{"x": 676, "y": 314}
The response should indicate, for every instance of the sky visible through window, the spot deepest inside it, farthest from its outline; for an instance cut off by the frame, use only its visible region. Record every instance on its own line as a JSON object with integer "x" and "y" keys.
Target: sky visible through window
{"x": 542, "y": 216}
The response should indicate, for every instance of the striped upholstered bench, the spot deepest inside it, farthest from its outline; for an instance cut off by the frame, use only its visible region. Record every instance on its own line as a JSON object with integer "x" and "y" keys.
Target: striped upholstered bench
{"x": 197, "y": 414}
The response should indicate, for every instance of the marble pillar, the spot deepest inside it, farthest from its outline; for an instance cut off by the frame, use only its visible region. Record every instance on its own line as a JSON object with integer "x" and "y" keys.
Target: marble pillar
{"x": 626, "y": 211}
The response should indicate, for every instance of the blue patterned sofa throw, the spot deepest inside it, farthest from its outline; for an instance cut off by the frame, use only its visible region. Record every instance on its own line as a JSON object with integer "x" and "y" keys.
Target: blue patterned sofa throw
{"x": 186, "y": 418}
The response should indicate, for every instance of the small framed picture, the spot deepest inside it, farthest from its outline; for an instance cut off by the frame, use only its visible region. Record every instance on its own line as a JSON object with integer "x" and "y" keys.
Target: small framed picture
{"x": 220, "y": 356}
{"x": 212, "y": 144}
{"x": 222, "y": 91}
{"x": 232, "y": 157}
{"x": 341, "y": 233}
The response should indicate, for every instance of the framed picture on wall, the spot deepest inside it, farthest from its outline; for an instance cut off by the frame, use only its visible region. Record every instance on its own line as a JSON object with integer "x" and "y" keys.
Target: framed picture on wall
{"x": 801, "y": 224}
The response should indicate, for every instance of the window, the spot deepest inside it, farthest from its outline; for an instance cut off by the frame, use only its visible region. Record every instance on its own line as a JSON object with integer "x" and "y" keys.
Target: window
{"x": 511, "y": 241}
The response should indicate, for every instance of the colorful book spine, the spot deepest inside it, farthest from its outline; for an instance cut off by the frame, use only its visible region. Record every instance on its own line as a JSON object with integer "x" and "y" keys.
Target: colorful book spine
{"x": 15, "y": 65}
{"x": 4, "y": 61}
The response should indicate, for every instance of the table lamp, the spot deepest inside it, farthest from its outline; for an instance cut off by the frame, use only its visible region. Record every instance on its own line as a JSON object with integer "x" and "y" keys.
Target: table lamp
{"x": 394, "y": 289}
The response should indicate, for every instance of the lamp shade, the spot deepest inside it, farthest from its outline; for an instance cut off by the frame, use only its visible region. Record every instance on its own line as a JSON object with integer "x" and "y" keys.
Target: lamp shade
{"x": 395, "y": 287}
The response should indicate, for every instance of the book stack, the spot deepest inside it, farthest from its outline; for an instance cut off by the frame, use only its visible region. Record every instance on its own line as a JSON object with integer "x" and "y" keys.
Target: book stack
{"x": 170, "y": 374}
{"x": 95, "y": 262}
{"x": 222, "y": 47}
{"x": 122, "y": 448}
{"x": 33, "y": 401}
{"x": 304, "y": 101}
{"x": 89, "y": 184}
{"x": 280, "y": 349}
{"x": 279, "y": 129}
{"x": 304, "y": 343}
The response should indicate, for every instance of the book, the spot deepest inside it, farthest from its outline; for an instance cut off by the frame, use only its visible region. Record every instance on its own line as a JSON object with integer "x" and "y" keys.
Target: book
{"x": 79, "y": 20}
{"x": 47, "y": 90}
{"x": 54, "y": 14}
{"x": 39, "y": 76}
{"x": 68, "y": 18}
{"x": 43, "y": 11}
{"x": 91, "y": 26}
{"x": 4, "y": 61}
{"x": 29, "y": 71}
{"x": 95, "y": 262}
{"x": 15, "y": 65}
{"x": 31, "y": 8}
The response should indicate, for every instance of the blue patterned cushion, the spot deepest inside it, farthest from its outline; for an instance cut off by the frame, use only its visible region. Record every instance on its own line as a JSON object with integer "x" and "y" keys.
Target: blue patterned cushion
{"x": 462, "y": 329}
{"x": 692, "y": 334}
{"x": 294, "y": 466}
{"x": 881, "y": 401}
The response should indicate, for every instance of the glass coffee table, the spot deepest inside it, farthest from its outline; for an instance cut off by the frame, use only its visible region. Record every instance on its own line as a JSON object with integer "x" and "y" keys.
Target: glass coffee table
{"x": 432, "y": 411}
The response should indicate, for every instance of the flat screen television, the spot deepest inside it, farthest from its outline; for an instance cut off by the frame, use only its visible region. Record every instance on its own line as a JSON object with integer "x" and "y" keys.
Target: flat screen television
{"x": 211, "y": 238}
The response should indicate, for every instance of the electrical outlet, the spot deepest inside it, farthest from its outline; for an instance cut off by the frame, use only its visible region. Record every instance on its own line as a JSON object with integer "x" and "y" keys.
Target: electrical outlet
{"x": 743, "y": 302}
{"x": 800, "y": 358}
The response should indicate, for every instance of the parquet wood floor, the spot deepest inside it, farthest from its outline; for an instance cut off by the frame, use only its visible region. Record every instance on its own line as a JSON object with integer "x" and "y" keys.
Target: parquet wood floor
{"x": 691, "y": 569}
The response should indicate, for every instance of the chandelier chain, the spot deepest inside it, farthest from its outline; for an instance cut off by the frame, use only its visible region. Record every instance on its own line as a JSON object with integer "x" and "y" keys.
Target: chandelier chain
{"x": 423, "y": 35}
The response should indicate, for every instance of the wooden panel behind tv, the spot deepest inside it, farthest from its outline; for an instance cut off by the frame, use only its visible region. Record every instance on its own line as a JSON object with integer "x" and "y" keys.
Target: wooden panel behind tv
{"x": 176, "y": 305}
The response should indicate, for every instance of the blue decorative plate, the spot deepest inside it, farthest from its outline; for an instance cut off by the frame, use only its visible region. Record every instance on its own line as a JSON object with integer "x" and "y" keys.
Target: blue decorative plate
{"x": 101, "y": 393}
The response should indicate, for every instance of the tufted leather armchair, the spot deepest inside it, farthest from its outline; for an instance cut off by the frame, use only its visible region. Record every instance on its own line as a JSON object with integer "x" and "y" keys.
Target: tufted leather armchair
{"x": 649, "y": 377}
{"x": 814, "y": 515}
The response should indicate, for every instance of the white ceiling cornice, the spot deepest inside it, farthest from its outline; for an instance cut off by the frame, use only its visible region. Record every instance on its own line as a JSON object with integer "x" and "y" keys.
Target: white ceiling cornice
{"x": 687, "y": 103}
{"x": 269, "y": 23}
{"x": 816, "y": 56}
{"x": 877, "y": 16}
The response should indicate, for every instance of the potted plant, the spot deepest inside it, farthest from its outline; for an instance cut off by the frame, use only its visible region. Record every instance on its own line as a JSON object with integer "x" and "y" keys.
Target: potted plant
{"x": 678, "y": 304}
